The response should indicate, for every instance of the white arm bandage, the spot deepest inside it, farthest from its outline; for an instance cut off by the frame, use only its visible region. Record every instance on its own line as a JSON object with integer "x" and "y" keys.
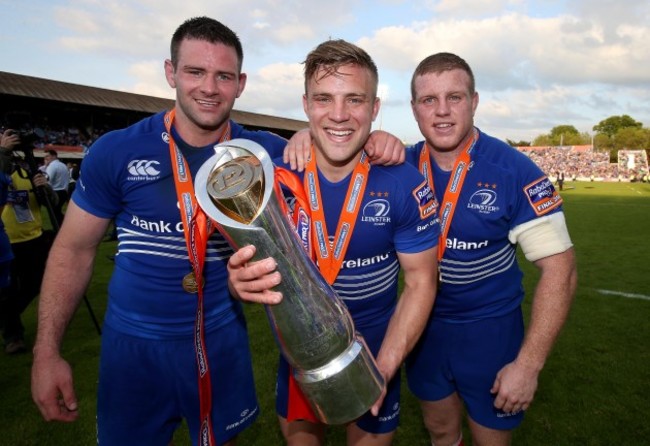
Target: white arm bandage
{"x": 542, "y": 237}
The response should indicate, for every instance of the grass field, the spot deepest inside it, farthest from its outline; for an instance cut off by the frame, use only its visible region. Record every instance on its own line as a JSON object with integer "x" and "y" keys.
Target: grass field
{"x": 594, "y": 390}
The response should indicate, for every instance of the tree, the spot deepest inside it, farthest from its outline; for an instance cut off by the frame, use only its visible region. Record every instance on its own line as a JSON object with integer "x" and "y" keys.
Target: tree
{"x": 602, "y": 142}
{"x": 563, "y": 130}
{"x": 613, "y": 124}
{"x": 562, "y": 135}
{"x": 542, "y": 140}
{"x": 632, "y": 138}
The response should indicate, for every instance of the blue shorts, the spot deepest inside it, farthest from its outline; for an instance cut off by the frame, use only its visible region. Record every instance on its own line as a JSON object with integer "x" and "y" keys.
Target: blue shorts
{"x": 388, "y": 418}
{"x": 146, "y": 387}
{"x": 465, "y": 358}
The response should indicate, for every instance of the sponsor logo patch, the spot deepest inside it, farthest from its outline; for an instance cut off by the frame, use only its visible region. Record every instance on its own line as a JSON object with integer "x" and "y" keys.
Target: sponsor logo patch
{"x": 427, "y": 203}
{"x": 542, "y": 196}
{"x": 363, "y": 262}
{"x": 160, "y": 226}
{"x": 461, "y": 245}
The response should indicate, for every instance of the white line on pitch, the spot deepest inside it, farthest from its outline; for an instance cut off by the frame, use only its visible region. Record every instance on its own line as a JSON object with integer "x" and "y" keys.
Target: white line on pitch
{"x": 634, "y": 190}
{"x": 620, "y": 293}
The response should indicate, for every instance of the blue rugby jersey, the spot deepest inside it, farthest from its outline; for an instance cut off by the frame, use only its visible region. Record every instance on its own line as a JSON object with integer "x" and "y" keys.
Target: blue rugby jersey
{"x": 127, "y": 175}
{"x": 389, "y": 221}
{"x": 503, "y": 189}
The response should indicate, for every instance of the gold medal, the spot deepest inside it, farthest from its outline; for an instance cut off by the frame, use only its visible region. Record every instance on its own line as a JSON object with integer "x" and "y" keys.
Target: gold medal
{"x": 189, "y": 283}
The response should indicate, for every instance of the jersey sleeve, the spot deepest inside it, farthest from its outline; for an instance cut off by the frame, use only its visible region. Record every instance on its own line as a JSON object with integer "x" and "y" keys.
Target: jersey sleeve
{"x": 97, "y": 191}
{"x": 272, "y": 143}
{"x": 417, "y": 225}
{"x": 535, "y": 195}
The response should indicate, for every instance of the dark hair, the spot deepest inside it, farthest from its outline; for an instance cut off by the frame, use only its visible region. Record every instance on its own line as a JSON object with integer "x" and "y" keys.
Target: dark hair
{"x": 52, "y": 152}
{"x": 437, "y": 63}
{"x": 208, "y": 29}
{"x": 333, "y": 54}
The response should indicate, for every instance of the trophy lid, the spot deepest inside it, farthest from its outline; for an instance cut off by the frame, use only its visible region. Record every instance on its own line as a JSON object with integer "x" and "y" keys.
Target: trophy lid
{"x": 233, "y": 185}
{"x": 237, "y": 187}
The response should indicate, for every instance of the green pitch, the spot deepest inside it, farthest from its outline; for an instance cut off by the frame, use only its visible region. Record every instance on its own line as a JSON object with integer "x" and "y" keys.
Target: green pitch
{"x": 594, "y": 389}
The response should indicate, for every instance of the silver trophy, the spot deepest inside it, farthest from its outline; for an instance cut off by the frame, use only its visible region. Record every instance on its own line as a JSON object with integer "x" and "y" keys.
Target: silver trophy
{"x": 312, "y": 326}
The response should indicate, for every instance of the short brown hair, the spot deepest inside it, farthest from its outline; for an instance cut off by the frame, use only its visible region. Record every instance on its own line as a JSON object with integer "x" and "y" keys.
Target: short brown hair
{"x": 333, "y": 54}
{"x": 437, "y": 63}
{"x": 209, "y": 30}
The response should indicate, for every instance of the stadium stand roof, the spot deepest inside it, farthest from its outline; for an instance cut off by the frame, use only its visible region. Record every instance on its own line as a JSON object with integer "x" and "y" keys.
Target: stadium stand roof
{"x": 38, "y": 88}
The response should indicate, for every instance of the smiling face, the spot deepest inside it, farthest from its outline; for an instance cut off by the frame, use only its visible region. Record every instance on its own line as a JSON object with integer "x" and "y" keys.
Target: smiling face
{"x": 443, "y": 105}
{"x": 207, "y": 82}
{"x": 341, "y": 107}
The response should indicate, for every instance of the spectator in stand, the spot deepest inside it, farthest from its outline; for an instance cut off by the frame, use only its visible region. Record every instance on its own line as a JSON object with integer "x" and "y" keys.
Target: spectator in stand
{"x": 59, "y": 178}
{"x": 588, "y": 165}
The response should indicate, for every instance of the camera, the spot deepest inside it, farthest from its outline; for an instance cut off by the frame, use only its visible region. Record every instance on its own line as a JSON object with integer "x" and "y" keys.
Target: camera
{"x": 28, "y": 138}
{"x": 19, "y": 124}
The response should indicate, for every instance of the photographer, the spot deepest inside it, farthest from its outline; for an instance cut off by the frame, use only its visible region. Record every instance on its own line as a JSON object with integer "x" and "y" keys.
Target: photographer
{"x": 22, "y": 219}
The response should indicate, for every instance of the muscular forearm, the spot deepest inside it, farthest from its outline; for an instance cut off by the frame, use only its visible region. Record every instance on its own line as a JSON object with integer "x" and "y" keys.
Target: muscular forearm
{"x": 550, "y": 308}
{"x": 66, "y": 278}
{"x": 406, "y": 324}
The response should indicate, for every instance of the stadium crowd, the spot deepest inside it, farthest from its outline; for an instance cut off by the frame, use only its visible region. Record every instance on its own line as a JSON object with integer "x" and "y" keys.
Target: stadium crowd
{"x": 60, "y": 135}
{"x": 581, "y": 163}
{"x": 578, "y": 163}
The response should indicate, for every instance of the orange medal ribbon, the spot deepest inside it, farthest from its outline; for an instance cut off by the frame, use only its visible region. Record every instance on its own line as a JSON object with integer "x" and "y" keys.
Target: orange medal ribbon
{"x": 197, "y": 228}
{"x": 330, "y": 258}
{"x": 454, "y": 187}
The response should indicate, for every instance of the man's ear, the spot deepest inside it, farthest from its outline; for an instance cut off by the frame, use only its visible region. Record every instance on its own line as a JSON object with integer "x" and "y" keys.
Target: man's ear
{"x": 242, "y": 83}
{"x": 169, "y": 73}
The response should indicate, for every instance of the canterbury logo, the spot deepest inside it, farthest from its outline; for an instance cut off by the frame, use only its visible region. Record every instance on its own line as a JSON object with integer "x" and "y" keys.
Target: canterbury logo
{"x": 143, "y": 168}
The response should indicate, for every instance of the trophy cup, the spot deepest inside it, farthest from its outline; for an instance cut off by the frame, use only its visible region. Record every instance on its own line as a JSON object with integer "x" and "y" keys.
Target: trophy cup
{"x": 312, "y": 327}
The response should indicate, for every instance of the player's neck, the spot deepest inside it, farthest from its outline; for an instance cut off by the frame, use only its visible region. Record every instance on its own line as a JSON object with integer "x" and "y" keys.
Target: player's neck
{"x": 335, "y": 171}
{"x": 445, "y": 160}
{"x": 196, "y": 136}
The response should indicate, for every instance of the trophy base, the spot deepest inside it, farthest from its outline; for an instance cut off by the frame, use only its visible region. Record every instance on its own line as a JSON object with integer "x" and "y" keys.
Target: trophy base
{"x": 346, "y": 387}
